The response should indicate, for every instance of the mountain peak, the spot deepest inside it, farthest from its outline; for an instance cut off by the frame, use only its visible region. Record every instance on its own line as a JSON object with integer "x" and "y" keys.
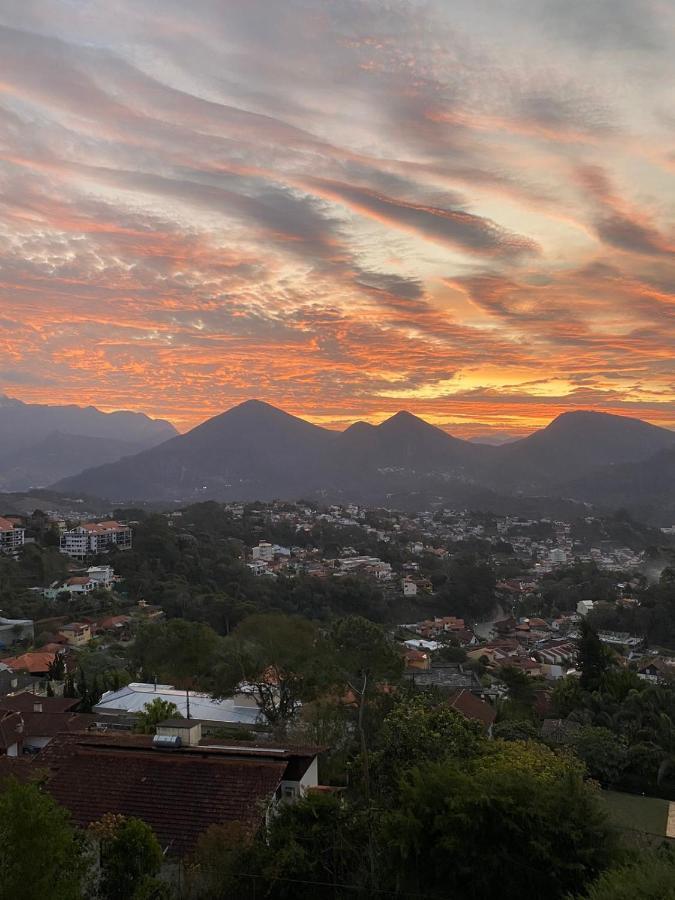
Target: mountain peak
{"x": 405, "y": 419}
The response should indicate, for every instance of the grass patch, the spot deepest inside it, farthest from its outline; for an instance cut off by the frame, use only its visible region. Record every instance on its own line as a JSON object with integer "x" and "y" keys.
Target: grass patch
{"x": 636, "y": 813}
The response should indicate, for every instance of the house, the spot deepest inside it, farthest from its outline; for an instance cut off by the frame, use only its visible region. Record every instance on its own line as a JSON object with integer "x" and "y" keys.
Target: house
{"x": 409, "y": 586}
{"x": 176, "y": 784}
{"x": 416, "y": 659}
{"x": 43, "y": 718}
{"x": 118, "y": 626}
{"x": 12, "y": 537}
{"x": 12, "y": 683}
{"x": 584, "y": 607}
{"x": 130, "y": 700}
{"x": 77, "y": 634}
{"x": 36, "y": 662}
{"x": 472, "y": 707}
{"x": 102, "y": 576}
{"x": 95, "y": 537}
{"x": 656, "y": 670}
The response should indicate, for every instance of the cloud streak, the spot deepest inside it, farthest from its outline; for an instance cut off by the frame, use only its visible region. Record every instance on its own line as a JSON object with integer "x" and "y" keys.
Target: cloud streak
{"x": 345, "y": 207}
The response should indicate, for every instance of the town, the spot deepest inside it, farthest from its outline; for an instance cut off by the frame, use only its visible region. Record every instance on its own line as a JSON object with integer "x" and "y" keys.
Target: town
{"x": 239, "y": 634}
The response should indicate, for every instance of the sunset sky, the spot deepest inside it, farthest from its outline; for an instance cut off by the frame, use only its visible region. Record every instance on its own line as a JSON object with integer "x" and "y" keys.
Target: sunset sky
{"x": 464, "y": 208}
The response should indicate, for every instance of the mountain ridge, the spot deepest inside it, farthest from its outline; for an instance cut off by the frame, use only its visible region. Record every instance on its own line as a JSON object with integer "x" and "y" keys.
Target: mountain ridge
{"x": 257, "y": 451}
{"x": 41, "y": 443}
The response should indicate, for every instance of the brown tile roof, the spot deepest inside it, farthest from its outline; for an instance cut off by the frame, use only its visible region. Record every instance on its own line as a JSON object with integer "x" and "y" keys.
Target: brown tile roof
{"x": 25, "y": 703}
{"x": 6, "y": 525}
{"x": 472, "y": 707}
{"x": 179, "y": 793}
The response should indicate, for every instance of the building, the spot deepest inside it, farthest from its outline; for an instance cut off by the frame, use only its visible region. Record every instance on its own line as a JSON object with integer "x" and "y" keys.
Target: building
{"x": 102, "y": 576}
{"x": 584, "y": 607}
{"x": 129, "y": 701}
{"x": 264, "y": 551}
{"x": 77, "y": 634}
{"x": 95, "y": 537}
{"x": 409, "y": 587}
{"x": 176, "y": 784}
{"x": 12, "y": 537}
{"x": 43, "y": 718}
{"x": 35, "y": 662}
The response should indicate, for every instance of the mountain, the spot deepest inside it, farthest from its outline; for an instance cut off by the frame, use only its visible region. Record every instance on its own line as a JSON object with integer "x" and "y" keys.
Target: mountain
{"x": 40, "y": 444}
{"x": 255, "y": 451}
{"x": 573, "y": 444}
{"x": 252, "y": 451}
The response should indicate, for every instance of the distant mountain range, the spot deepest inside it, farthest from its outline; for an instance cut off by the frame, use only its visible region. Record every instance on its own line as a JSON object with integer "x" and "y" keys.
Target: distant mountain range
{"x": 42, "y": 444}
{"x": 255, "y": 451}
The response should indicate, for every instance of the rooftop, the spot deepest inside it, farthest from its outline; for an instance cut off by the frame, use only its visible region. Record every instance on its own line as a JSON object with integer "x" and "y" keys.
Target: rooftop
{"x": 134, "y": 697}
{"x": 179, "y": 793}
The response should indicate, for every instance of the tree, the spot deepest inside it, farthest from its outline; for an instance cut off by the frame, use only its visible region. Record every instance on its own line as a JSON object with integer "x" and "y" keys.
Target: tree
{"x": 312, "y": 848}
{"x": 457, "y": 832}
{"x": 592, "y": 658}
{"x": 364, "y": 657}
{"x": 521, "y": 687}
{"x": 41, "y": 854}
{"x": 130, "y": 857}
{"x": 179, "y": 651}
{"x": 158, "y": 710}
{"x": 281, "y": 660}
{"x": 650, "y": 877}
{"x": 56, "y": 671}
{"x": 604, "y": 753}
{"x": 420, "y": 729}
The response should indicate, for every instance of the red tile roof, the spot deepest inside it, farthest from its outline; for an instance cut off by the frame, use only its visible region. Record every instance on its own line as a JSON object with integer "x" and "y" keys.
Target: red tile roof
{"x": 472, "y": 707}
{"x": 34, "y": 662}
{"x": 179, "y": 793}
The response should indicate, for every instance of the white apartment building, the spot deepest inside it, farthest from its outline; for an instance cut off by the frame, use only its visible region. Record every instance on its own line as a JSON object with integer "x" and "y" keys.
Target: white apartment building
{"x": 95, "y": 537}
{"x": 11, "y": 537}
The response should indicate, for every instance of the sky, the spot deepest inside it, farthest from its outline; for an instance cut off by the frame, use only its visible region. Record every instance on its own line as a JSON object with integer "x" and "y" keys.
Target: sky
{"x": 463, "y": 208}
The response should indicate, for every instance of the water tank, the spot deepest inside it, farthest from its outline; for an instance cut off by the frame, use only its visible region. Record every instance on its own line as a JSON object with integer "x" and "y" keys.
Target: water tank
{"x": 166, "y": 742}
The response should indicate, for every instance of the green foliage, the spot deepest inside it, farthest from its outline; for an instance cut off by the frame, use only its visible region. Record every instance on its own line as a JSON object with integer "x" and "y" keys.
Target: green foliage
{"x": 498, "y": 831}
{"x": 515, "y": 730}
{"x": 181, "y": 652}
{"x": 158, "y": 710}
{"x": 41, "y": 854}
{"x": 130, "y": 857}
{"x": 604, "y": 753}
{"x": 650, "y": 877}
{"x": 469, "y": 588}
{"x": 421, "y": 729}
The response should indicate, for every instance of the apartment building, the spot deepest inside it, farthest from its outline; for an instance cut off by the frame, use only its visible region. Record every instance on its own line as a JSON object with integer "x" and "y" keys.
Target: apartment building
{"x": 95, "y": 537}
{"x": 11, "y": 536}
